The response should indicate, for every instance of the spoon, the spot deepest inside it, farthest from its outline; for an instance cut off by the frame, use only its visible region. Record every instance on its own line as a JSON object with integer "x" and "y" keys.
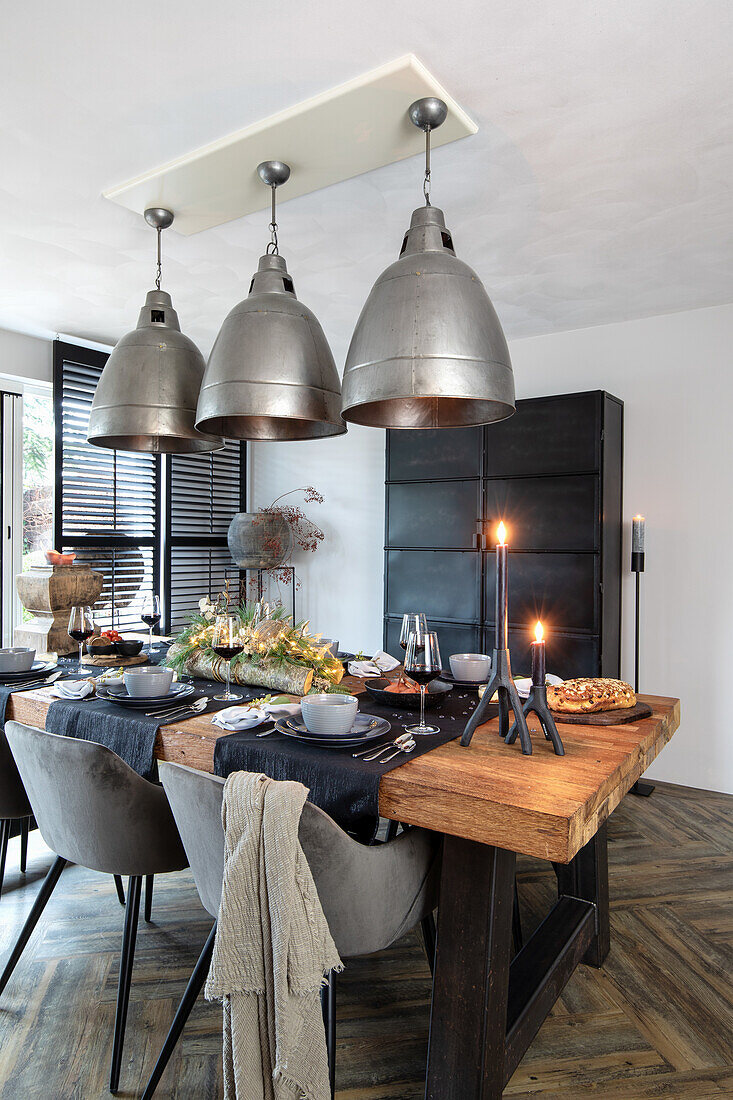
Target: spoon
{"x": 398, "y": 742}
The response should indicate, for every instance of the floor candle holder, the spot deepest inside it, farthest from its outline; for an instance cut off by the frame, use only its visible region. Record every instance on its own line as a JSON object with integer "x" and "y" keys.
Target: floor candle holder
{"x": 502, "y": 683}
{"x": 537, "y": 704}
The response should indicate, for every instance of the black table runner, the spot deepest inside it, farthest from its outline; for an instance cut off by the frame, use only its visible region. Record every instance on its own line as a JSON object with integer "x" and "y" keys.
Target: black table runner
{"x": 347, "y": 789}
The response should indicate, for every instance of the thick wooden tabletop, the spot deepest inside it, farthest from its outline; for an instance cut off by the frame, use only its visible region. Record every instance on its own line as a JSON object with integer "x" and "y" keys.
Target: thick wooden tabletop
{"x": 541, "y": 805}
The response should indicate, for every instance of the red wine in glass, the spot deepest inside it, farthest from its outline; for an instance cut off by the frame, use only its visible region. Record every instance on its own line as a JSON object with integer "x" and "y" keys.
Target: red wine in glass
{"x": 227, "y": 643}
{"x": 422, "y": 664}
{"x": 151, "y": 617}
{"x": 227, "y": 652}
{"x": 81, "y": 627}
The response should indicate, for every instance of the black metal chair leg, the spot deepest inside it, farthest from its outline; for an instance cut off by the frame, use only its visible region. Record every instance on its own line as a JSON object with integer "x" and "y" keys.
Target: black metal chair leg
{"x": 32, "y": 919}
{"x": 148, "y": 898}
{"x": 127, "y": 956}
{"x": 328, "y": 1006}
{"x": 4, "y": 838}
{"x": 24, "y": 828}
{"x": 427, "y": 924}
{"x": 120, "y": 889}
{"x": 195, "y": 982}
{"x": 517, "y": 921}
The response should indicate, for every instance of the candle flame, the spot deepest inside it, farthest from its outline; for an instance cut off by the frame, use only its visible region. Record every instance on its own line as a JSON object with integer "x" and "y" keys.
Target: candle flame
{"x": 639, "y": 517}
{"x": 539, "y": 632}
{"x": 501, "y": 533}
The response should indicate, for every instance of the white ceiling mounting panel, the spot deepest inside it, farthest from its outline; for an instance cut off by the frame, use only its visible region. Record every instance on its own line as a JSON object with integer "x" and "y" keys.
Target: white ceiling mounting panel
{"x": 351, "y": 129}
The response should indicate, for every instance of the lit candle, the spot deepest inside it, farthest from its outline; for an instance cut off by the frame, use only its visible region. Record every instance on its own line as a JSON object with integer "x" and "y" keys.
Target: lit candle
{"x": 502, "y": 589}
{"x": 538, "y": 657}
{"x": 637, "y": 535}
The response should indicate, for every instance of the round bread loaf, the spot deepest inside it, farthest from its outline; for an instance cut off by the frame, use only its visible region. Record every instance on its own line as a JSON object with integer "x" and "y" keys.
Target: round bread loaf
{"x": 589, "y": 695}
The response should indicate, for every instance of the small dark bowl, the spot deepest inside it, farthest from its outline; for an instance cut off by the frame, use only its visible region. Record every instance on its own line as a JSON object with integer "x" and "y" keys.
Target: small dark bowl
{"x": 128, "y": 647}
{"x": 101, "y": 649}
{"x": 433, "y": 696}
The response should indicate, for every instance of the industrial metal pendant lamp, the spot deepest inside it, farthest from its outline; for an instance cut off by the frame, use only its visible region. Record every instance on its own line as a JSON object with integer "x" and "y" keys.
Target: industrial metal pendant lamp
{"x": 428, "y": 350}
{"x": 147, "y": 393}
{"x": 271, "y": 374}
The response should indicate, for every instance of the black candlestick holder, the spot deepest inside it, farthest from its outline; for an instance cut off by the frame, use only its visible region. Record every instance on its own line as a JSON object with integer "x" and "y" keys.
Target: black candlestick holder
{"x": 537, "y": 704}
{"x": 501, "y": 682}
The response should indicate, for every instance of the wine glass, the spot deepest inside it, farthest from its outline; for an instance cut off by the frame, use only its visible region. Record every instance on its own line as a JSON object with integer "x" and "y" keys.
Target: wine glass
{"x": 422, "y": 663}
{"x": 151, "y": 616}
{"x": 412, "y": 623}
{"x": 227, "y": 643}
{"x": 81, "y": 626}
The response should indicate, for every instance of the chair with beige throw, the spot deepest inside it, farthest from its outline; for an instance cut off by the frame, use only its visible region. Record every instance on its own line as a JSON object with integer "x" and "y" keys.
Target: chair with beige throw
{"x": 94, "y": 810}
{"x": 370, "y": 895}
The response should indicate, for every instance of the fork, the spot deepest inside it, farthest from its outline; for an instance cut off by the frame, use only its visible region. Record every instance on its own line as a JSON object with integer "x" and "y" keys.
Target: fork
{"x": 37, "y": 683}
{"x": 177, "y": 712}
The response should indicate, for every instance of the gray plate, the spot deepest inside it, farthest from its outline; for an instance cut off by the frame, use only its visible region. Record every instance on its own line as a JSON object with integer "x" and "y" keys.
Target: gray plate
{"x": 301, "y": 734}
{"x": 178, "y": 692}
{"x": 37, "y": 669}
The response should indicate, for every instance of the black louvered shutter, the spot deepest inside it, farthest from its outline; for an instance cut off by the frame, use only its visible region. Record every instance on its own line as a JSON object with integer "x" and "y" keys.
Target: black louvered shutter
{"x": 203, "y": 493}
{"x": 106, "y": 502}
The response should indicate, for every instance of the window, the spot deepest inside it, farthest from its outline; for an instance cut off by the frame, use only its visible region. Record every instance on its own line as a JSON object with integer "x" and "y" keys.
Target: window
{"x": 111, "y": 510}
{"x": 203, "y": 493}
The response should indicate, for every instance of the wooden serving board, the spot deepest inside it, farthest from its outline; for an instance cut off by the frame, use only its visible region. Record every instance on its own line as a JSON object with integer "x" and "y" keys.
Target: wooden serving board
{"x": 605, "y": 717}
{"x": 116, "y": 662}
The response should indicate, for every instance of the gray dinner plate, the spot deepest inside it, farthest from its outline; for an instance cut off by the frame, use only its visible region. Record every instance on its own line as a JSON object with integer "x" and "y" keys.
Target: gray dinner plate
{"x": 292, "y": 728}
{"x": 177, "y": 693}
{"x": 37, "y": 669}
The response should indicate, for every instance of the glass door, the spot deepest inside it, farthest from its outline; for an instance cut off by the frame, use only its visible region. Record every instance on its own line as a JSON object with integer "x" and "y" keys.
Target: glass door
{"x": 27, "y": 486}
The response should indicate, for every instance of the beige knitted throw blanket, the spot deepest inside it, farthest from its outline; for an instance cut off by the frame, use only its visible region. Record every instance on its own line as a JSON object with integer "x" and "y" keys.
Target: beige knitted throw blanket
{"x": 272, "y": 948}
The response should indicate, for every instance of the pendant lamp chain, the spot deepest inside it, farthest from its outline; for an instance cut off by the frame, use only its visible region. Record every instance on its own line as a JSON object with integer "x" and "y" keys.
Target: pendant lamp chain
{"x": 159, "y": 265}
{"x": 272, "y": 248}
{"x": 426, "y": 181}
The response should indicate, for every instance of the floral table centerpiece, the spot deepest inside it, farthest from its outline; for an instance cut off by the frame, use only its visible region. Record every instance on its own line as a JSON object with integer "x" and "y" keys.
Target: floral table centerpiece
{"x": 277, "y": 653}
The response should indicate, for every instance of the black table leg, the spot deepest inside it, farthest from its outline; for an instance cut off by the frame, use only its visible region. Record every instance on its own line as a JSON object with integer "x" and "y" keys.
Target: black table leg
{"x": 471, "y": 984}
{"x": 586, "y": 878}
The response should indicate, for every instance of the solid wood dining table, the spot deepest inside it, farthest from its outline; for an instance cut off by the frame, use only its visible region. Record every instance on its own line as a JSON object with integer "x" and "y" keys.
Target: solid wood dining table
{"x": 492, "y": 803}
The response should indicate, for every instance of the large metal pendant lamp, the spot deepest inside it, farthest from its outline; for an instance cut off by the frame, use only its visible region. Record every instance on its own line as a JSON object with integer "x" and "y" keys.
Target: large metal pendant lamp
{"x": 428, "y": 350}
{"x": 147, "y": 393}
{"x": 271, "y": 374}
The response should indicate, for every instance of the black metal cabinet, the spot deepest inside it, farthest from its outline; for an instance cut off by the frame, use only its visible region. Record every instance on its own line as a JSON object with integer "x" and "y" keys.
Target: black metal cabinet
{"x": 553, "y": 473}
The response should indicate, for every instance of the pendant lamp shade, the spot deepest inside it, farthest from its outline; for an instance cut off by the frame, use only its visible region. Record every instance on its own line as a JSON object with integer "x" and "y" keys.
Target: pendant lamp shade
{"x": 271, "y": 374}
{"x": 428, "y": 350}
{"x": 147, "y": 393}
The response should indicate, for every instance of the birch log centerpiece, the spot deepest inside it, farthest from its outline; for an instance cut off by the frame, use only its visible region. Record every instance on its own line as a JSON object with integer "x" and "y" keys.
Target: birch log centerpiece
{"x": 277, "y": 654}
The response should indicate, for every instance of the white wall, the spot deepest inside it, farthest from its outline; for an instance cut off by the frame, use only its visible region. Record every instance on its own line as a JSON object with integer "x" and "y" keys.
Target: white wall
{"x": 25, "y": 356}
{"x": 674, "y": 375}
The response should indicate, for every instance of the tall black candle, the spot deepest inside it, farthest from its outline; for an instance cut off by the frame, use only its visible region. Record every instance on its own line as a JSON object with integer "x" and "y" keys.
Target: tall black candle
{"x": 539, "y": 673}
{"x": 502, "y": 590}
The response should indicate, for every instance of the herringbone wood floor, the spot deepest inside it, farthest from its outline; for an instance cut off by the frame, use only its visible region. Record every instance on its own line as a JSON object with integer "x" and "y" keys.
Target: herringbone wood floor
{"x": 657, "y": 1021}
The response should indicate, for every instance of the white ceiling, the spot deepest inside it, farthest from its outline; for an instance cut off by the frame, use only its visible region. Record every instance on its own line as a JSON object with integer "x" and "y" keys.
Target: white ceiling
{"x": 598, "y": 187}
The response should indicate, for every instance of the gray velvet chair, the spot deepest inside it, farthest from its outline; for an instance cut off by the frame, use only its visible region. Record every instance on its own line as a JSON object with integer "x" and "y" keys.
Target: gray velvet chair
{"x": 371, "y": 895}
{"x": 94, "y": 810}
{"x": 14, "y": 806}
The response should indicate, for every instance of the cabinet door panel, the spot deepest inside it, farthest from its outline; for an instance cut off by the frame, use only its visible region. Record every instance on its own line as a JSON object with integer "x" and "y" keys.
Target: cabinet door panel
{"x": 433, "y": 514}
{"x": 552, "y": 434}
{"x": 548, "y": 513}
{"x": 452, "y": 638}
{"x": 568, "y": 655}
{"x": 442, "y": 583}
{"x": 560, "y": 589}
{"x": 433, "y": 452}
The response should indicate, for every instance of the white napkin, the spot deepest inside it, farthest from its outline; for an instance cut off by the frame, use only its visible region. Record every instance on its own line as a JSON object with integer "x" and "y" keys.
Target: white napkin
{"x": 380, "y": 663}
{"x": 525, "y": 683}
{"x": 72, "y": 689}
{"x": 246, "y": 718}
